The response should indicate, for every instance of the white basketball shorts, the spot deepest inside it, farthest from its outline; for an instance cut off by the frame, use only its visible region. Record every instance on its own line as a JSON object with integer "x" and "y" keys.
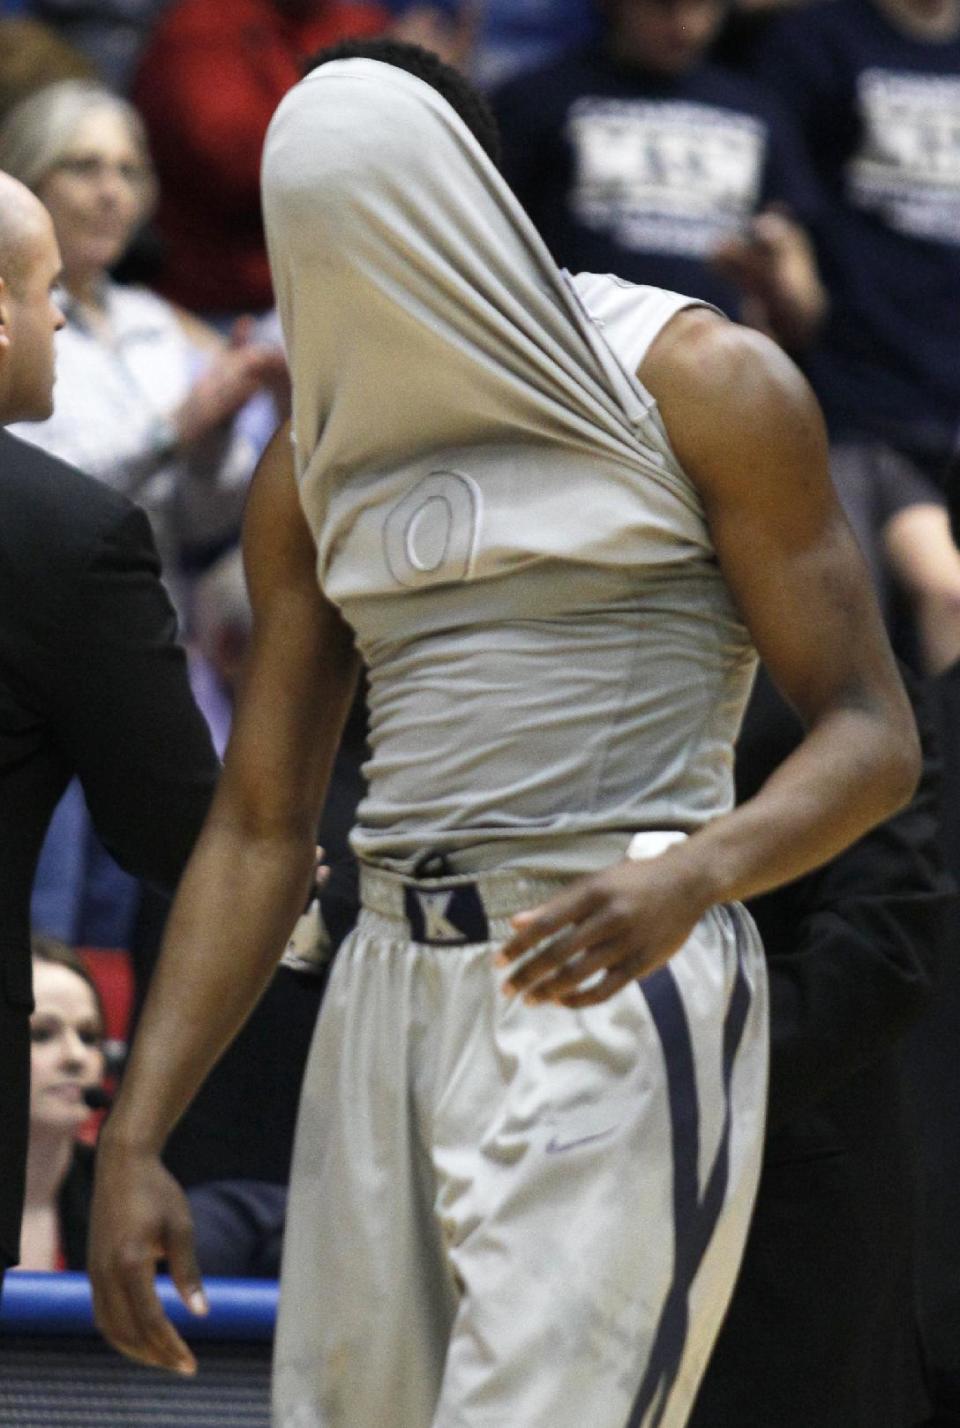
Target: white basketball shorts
{"x": 505, "y": 1216}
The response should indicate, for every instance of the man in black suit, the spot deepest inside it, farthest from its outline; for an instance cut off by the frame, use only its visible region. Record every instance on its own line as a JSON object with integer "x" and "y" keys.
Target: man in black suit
{"x": 936, "y": 1079}
{"x": 92, "y": 682}
{"x": 822, "y": 1331}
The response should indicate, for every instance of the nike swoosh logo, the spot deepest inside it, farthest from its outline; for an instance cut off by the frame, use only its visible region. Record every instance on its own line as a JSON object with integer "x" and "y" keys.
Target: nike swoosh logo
{"x": 558, "y": 1147}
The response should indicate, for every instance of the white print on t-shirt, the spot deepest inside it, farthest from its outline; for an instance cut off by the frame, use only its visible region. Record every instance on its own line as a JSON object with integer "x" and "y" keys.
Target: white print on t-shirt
{"x": 664, "y": 177}
{"x": 908, "y": 167}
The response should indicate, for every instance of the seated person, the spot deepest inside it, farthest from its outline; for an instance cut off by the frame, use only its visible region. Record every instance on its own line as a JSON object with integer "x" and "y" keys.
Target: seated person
{"x": 67, "y": 1066}
{"x": 239, "y": 1220}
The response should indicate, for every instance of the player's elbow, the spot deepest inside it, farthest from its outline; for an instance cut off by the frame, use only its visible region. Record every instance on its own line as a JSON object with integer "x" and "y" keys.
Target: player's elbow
{"x": 900, "y": 760}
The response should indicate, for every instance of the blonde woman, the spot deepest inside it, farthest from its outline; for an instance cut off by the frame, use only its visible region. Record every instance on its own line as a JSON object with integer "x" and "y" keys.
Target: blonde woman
{"x": 146, "y": 396}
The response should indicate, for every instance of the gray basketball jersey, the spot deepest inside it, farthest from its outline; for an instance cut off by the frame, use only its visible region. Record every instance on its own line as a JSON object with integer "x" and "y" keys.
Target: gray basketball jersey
{"x": 555, "y": 661}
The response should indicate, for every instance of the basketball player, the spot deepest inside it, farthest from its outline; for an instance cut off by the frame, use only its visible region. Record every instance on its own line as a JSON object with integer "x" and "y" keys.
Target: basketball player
{"x": 555, "y": 517}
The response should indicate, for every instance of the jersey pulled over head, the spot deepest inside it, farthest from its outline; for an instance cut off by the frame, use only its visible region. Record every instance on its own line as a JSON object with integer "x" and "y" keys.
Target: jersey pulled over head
{"x": 492, "y": 493}
{"x": 419, "y": 306}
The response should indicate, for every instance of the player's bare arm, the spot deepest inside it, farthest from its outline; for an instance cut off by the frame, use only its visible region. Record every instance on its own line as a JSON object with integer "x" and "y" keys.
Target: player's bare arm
{"x": 240, "y": 895}
{"x": 749, "y": 433}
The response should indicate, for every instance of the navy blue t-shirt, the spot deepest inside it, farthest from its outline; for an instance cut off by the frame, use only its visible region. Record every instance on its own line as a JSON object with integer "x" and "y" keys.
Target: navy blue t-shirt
{"x": 627, "y": 172}
{"x": 880, "y": 113}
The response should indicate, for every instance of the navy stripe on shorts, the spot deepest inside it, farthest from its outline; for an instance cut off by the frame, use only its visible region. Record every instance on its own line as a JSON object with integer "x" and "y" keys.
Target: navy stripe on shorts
{"x": 694, "y": 1218}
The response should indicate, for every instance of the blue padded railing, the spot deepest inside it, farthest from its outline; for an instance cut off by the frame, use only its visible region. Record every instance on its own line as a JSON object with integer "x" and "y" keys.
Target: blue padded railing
{"x": 240, "y": 1309}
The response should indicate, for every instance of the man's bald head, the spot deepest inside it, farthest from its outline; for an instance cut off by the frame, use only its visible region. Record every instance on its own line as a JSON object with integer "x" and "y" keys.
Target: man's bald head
{"x": 23, "y": 222}
{"x": 29, "y": 316}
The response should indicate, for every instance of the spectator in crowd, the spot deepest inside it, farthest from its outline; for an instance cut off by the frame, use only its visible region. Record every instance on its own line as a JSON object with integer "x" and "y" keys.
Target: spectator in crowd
{"x": 875, "y": 88}
{"x": 33, "y": 55}
{"x": 146, "y": 396}
{"x": 91, "y": 681}
{"x": 110, "y": 32}
{"x": 637, "y": 156}
{"x": 66, "y": 1066}
{"x": 208, "y": 83}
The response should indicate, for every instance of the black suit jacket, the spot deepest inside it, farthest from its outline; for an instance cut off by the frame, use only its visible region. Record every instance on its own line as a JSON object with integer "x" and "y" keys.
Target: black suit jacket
{"x": 240, "y": 1125}
{"x": 934, "y": 1066}
{"x": 92, "y": 683}
{"x": 822, "y": 1331}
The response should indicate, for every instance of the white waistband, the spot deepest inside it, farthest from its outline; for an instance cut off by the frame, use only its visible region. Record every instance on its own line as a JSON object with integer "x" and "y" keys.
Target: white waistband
{"x": 502, "y": 893}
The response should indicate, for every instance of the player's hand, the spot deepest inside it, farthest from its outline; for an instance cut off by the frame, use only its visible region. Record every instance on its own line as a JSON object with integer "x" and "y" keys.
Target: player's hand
{"x": 141, "y": 1215}
{"x": 606, "y": 930}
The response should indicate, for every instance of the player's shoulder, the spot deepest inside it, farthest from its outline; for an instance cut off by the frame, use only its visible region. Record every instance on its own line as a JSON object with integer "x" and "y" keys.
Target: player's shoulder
{"x": 729, "y": 396}
{"x": 702, "y": 356}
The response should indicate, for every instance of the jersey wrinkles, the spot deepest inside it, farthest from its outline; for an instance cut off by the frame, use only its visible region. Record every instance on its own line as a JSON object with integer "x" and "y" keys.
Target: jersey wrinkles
{"x": 554, "y": 658}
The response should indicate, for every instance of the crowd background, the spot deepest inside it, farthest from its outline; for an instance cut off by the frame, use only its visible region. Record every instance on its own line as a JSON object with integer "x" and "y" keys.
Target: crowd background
{"x": 794, "y": 162}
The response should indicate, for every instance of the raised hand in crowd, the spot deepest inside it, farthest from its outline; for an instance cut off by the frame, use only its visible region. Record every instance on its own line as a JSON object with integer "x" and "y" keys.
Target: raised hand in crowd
{"x": 235, "y": 373}
{"x": 774, "y": 265}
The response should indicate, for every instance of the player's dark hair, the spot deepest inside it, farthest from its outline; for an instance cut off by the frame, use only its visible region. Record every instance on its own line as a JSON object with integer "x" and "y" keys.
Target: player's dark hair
{"x": 424, "y": 64}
